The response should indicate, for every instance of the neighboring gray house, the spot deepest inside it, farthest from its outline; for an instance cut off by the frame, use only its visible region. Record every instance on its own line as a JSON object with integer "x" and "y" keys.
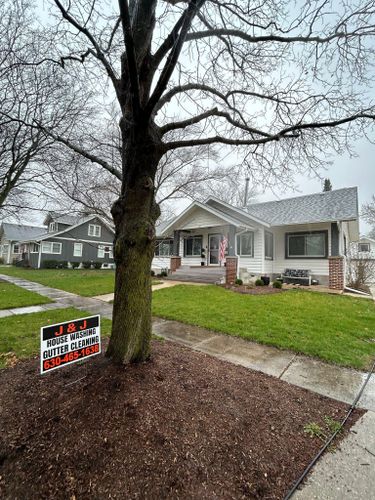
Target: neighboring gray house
{"x": 69, "y": 239}
{"x": 11, "y": 236}
{"x": 309, "y": 233}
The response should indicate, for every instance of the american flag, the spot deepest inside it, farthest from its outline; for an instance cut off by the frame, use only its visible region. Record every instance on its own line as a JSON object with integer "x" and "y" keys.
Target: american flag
{"x": 223, "y": 247}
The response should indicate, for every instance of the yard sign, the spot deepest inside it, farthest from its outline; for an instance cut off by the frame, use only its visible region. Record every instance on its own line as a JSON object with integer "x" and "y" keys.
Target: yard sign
{"x": 68, "y": 342}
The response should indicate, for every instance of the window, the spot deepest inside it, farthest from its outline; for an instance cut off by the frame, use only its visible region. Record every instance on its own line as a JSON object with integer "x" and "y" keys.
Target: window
{"x": 34, "y": 247}
{"x": 311, "y": 245}
{"x": 164, "y": 248}
{"x": 16, "y": 248}
{"x": 51, "y": 247}
{"x": 363, "y": 247}
{"x": 268, "y": 245}
{"x": 77, "y": 250}
{"x": 53, "y": 226}
{"x": 193, "y": 246}
{"x": 105, "y": 252}
{"x": 245, "y": 244}
{"x": 95, "y": 230}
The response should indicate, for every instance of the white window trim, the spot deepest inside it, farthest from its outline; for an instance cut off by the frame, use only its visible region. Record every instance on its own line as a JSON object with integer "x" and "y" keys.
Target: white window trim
{"x": 32, "y": 246}
{"x": 267, "y": 257}
{"x": 102, "y": 253}
{"x": 51, "y": 243}
{"x": 92, "y": 230}
{"x": 364, "y": 251}
{"x": 238, "y": 250}
{"x": 307, "y": 256}
{"x": 80, "y": 248}
{"x": 193, "y": 236}
{"x": 53, "y": 227}
{"x": 19, "y": 248}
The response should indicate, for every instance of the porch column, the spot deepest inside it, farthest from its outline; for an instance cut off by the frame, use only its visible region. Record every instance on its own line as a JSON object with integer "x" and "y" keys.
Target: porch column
{"x": 336, "y": 273}
{"x": 231, "y": 241}
{"x": 231, "y": 270}
{"x": 176, "y": 243}
{"x": 335, "y": 247}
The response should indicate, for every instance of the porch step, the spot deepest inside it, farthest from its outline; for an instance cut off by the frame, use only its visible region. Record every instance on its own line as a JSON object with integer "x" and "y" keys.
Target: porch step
{"x": 197, "y": 274}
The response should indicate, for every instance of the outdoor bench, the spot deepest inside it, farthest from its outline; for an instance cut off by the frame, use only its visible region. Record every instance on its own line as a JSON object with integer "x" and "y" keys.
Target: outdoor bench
{"x": 296, "y": 275}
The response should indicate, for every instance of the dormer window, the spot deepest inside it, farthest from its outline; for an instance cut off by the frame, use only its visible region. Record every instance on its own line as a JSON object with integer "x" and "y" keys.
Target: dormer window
{"x": 95, "y": 230}
{"x": 53, "y": 227}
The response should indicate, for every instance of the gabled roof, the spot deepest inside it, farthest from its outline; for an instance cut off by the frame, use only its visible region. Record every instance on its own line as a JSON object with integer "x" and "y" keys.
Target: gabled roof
{"x": 19, "y": 232}
{"x": 329, "y": 206}
{"x": 46, "y": 235}
{"x": 196, "y": 204}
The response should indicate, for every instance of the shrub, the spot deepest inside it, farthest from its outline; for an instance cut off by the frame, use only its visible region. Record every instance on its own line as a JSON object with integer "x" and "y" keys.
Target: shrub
{"x": 152, "y": 273}
{"x": 62, "y": 264}
{"x": 238, "y": 282}
{"x": 86, "y": 264}
{"x": 259, "y": 282}
{"x": 163, "y": 274}
{"x": 1, "y": 260}
{"x": 97, "y": 265}
{"x": 75, "y": 265}
{"x": 277, "y": 284}
{"x": 50, "y": 264}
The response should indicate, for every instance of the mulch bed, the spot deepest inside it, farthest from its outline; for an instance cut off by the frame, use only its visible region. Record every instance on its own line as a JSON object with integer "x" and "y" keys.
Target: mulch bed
{"x": 183, "y": 425}
{"x": 256, "y": 290}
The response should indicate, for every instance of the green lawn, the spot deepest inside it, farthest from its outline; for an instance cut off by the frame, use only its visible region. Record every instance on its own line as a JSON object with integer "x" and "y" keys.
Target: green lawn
{"x": 20, "y": 335}
{"x": 83, "y": 282}
{"x": 334, "y": 328}
{"x": 13, "y": 296}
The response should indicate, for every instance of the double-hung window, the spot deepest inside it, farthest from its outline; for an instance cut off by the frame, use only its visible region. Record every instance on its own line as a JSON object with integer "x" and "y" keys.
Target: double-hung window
{"x": 105, "y": 251}
{"x": 193, "y": 246}
{"x": 53, "y": 226}
{"x": 245, "y": 244}
{"x": 51, "y": 247}
{"x": 363, "y": 247}
{"x": 34, "y": 247}
{"x": 268, "y": 245}
{"x": 164, "y": 248}
{"x": 77, "y": 250}
{"x": 307, "y": 245}
{"x": 95, "y": 230}
{"x": 16, "y": 248}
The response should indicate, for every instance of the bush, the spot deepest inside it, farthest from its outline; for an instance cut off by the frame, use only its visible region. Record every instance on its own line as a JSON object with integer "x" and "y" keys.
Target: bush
{"x": 238, "y": 282}
{"x": 152, "y": 273}
{"x": 277, "y": 284}
{"x": 259, "y": 282}
{"x": 97, "y": 265}
{"x": 50, "y": 264}
{"x": 75, "y": 265}
{"x": 86, "y": 264}
{"x": 62, "y": 264}
{"x": 163, "y": 274}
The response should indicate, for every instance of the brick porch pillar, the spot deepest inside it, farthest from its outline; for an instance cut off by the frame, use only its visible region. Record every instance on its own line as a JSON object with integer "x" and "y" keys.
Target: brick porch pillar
{"x": 175, "y": 263}
{"x": 231, "y": 270}
{"x": 336, "y": 273}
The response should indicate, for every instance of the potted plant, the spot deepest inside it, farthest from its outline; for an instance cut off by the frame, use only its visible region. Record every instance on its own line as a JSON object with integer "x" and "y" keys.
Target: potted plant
{"x": 203, "y": 257}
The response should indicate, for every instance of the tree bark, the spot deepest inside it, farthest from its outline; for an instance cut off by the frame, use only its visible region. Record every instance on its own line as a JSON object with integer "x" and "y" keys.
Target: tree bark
{"x": 135, "y": 214}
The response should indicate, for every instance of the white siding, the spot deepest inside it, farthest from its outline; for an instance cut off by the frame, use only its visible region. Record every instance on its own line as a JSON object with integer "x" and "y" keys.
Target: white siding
{"x": 315, "y": 266}
{"x": 254, "y": 265}
{"x": 199, "y": 218}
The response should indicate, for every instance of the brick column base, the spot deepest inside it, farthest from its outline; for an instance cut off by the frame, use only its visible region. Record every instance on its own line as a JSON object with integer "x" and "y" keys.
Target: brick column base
{"x": 231, "y": 270}
{"x": 336, "y": 273}
{"x": 175, "y": 263}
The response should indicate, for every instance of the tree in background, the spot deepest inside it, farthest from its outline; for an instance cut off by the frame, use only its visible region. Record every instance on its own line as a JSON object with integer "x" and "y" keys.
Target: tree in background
{"x": 327, "y": 185}
{"x": 221, "y": 74}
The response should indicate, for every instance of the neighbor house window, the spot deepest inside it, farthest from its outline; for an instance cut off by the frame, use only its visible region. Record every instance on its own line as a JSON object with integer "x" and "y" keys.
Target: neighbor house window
{"x": 53, "y": 227}
{"x": 77, "y": 250}
{"x": 193, "y": 246}
{"x": 105, "y": 252}
{"x": 311, "y": 245}
{"x": 34, "y": 248}
{"x": 164, "y": 248}
{"x": 268, "y": 245}
{"x": 16, "y": 248}
{"x": 51, "y": 247}
{"x": 245, "y": 244}
{"x": 363, "y": 247}
{"x": 95, "y": 230}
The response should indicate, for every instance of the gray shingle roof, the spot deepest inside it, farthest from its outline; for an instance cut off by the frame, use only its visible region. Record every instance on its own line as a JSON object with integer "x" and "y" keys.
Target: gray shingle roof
{"x": 340, "y": 204}
{"x": 20, "y": 232}
{"x": 70, "y": 220}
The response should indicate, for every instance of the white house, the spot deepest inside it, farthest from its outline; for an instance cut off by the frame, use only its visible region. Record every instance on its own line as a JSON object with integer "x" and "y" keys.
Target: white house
{"x": 309, "y": 233}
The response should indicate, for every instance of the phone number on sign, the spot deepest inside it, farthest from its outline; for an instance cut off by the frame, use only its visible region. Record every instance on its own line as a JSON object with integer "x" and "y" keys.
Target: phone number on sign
{"x": 48, "y": 364}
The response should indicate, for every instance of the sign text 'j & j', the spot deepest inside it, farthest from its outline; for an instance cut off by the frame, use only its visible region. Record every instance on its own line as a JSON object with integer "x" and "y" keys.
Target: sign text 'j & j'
{"x": 66, "y": 343}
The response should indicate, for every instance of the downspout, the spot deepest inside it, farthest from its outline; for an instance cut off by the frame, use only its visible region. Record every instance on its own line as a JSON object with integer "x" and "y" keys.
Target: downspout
{"x": 9, "y": 251}
{"x": 40, "y": 254}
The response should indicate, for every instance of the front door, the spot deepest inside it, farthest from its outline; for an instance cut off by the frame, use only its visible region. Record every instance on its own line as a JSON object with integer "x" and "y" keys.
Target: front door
{"x": 214, "y": 248}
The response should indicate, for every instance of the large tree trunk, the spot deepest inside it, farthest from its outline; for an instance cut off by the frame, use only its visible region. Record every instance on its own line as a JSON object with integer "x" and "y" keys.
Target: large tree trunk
{"x": 134, "y": 214}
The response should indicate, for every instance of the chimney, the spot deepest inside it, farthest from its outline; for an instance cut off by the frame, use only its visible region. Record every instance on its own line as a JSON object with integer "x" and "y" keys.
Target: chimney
{"x": 247, "y": 180}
